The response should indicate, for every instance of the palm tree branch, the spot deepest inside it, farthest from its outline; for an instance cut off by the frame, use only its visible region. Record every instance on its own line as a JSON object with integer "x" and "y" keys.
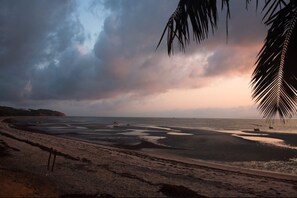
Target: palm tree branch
{"x": 272, "y": 7}
{"x": 274, "y": 79}
{"x": 201, "y": 15}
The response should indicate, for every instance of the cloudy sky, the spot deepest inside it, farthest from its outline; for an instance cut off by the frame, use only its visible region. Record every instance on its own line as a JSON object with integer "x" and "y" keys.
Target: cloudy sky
{"x": 98, "y": 58}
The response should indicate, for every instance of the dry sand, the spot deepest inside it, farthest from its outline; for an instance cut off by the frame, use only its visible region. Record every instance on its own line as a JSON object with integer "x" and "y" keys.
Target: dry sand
{"x": 87, "y": 169}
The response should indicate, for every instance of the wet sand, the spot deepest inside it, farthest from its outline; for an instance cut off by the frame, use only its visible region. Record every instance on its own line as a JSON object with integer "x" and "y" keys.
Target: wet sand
{"x": 198, "y": 143}
{"x": 83, "y": 168}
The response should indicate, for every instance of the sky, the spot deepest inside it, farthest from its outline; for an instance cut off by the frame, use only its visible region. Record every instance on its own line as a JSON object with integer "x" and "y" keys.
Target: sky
{"x": 98, "y": 58}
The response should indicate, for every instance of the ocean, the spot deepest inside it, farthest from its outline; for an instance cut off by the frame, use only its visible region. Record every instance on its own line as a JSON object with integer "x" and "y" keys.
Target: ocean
{"x": 225, "y": 140}
{"x": 207, "y": 123}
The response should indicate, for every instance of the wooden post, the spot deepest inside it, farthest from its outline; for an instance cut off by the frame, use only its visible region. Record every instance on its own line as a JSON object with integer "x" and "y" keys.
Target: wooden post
{"x": 55, "y": 153}
{"x": 49, "y": 159}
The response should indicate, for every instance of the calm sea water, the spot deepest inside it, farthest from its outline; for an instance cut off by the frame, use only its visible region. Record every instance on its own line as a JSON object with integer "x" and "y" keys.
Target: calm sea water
{"x": 215, "y": 124}
{"x": 208, "y": 139}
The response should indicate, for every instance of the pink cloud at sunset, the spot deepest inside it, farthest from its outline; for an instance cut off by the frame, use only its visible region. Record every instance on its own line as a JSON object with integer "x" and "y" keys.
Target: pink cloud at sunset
{"x": 116, "y": 71}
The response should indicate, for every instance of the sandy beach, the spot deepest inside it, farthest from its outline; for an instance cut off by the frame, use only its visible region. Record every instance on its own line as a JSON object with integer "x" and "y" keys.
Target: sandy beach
{"x": 87, "y": 169}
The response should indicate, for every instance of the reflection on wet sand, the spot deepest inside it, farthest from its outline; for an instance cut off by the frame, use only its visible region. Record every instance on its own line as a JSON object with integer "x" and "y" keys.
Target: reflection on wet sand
{"x": 177, "y": 133}
{"x": 258, "y": 137}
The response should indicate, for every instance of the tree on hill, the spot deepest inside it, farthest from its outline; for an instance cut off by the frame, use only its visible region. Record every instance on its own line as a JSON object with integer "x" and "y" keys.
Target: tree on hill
{"x": 274, "y": 80}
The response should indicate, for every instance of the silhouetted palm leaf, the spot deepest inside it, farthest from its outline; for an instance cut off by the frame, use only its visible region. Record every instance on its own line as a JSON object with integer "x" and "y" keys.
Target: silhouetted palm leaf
{"x": 201, "y": 15}
{"x": 274, "y": 79}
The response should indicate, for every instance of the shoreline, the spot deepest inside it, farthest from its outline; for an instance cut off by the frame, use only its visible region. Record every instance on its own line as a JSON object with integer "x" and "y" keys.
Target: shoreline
{"x": 204, "y": 144}
{"x": 102, "y": 170}
{"x": 135, "y": 150}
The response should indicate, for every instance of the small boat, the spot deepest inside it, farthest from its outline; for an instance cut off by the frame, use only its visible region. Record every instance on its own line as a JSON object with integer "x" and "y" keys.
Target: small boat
{"x": 115, "y": 124}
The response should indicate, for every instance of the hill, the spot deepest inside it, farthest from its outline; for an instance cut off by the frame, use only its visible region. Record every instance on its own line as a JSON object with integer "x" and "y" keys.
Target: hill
{"x": 10, "y": 111}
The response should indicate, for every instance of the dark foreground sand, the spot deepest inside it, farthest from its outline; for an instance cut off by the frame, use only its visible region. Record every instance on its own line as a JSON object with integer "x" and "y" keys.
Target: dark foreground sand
{"x": 88, "y": 169}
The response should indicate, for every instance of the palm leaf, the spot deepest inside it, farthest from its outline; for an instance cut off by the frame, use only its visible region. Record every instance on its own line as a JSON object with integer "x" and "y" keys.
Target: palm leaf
{"x": 202, "y": 15}
{"x": 271, "y": 8}
{"x": 274, "y": 78}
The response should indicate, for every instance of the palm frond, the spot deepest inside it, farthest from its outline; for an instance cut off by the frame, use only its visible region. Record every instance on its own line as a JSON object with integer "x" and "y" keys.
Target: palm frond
{"x": 274, "y": 79}
{"x": 201, "y": 14}
{"x": 272, "y": 7}
{"x": 228, "y": 15}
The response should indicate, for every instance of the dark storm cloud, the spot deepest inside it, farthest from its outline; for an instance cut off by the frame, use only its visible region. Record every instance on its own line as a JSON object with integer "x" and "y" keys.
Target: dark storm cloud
{"x": 32, "y": 33}
{"x": 123, "y": 61}
{"x": 121, "y": 65}
{"x": 134, "y": 29}
{"x": 40, "y": 56}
